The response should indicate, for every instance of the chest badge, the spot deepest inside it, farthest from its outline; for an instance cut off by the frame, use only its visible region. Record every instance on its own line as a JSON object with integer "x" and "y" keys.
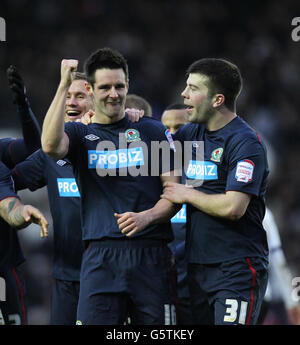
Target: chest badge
{"x": 216, "y": 154}
{"x": 132, "y": 135}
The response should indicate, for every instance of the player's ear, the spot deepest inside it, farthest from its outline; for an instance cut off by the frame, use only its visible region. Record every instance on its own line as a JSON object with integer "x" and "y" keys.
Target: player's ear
{"x": 89, "y": 88}
{"x": 218, "y": 100}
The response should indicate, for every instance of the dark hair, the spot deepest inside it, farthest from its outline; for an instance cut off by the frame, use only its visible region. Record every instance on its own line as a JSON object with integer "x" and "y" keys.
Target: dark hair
{"x": 175, "y": 106}
{"x": 138, "y": 102}
{"x": 223, "y": 77}
{"x": 104, "y": 58}
{"x": 79, "y": 76}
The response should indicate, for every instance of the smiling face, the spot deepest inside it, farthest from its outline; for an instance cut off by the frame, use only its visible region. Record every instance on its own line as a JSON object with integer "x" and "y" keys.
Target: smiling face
{"x": 198, "y": 99}
{"x": 78, "y": 101}
{"x": 109, "y": 90}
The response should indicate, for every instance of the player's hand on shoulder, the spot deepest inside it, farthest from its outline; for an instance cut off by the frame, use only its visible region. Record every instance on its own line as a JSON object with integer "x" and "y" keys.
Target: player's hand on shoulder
{"x": 86, "y": 119}
{"x": 134, "y": 114}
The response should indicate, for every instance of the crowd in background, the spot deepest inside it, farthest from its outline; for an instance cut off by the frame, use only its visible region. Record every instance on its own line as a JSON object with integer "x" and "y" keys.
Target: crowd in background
{"x": 160, "y": 39}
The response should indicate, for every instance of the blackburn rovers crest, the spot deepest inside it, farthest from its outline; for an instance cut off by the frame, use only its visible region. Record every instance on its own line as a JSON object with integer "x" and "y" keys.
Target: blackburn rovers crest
{"x": 216, "y": 154}
{"x": 132, "y": 135}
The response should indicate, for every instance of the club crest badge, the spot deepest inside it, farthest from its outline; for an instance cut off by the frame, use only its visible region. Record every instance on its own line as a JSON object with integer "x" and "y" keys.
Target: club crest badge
{"x": 216, "y": 154}
{"x": 132, "y": 135}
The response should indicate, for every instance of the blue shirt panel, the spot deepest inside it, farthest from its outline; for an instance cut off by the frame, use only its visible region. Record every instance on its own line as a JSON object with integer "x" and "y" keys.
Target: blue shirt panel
{"x": 40, "y": 170}
{"x": 11, "y": 254}
{"x": 241, "y": 165}
{"x": 102, "y": 196}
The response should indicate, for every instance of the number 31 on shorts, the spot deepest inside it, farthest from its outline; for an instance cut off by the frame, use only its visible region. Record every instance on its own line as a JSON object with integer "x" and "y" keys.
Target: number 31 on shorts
{"x": 232, "y": 311}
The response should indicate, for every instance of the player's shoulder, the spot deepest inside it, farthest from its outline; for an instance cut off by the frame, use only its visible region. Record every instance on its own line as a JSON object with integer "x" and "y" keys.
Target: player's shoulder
{"x": 4, "y": 171}
{"x": 187, "y": 132}
{"x": 74, "y": 124}
{"x": 243, "y": 132}
{"x": 77, "y": 130}
{"x": 6, "y": 141}
{"x": 151, "y": 122}
{"x": 150, "y": 127}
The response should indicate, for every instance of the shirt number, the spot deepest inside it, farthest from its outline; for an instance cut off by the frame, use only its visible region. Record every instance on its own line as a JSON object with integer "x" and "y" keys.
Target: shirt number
{"x": 232, "y": 311}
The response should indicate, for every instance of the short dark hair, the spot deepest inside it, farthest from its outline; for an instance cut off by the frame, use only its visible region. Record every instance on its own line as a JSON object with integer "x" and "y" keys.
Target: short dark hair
{"x": 104, "y": 58}
{"x": 223, "y": 77}
{"x": 138, "y": 102}
{"x": 79, "y": 76}
{"x": 175, "y": 106}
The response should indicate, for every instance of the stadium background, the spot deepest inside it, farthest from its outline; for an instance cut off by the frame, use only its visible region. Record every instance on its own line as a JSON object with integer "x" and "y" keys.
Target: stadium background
{"x": 160, "y": 39}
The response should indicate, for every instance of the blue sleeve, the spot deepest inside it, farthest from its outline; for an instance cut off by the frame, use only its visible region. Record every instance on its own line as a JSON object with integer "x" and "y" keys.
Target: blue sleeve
{"x": 247, "y": 168}
{"x": 6, "y": 183}
{"x": 31, "y": 172}
{"x": 76, "y": 132}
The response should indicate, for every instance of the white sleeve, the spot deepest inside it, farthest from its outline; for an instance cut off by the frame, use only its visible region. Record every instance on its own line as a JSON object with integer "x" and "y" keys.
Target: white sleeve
{"x": 280, "y": 276}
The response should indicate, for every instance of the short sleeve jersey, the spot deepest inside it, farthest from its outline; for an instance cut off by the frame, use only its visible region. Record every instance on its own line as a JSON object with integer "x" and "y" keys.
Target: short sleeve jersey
{"x": 128, "y": 151}
{"x": 40, "y": 170}
{"x": 234, "y": 160}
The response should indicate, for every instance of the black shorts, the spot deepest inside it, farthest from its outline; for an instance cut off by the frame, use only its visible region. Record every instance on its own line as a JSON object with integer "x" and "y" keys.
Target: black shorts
{"x": 121, "y": 278}
{"x": 64, "y": 301}
{"x": 13, "y": 308}
{"x": 228, "y": 293}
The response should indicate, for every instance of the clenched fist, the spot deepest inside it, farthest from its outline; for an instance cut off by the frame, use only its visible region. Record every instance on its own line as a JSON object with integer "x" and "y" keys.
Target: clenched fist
{"x": 67, "y": 67}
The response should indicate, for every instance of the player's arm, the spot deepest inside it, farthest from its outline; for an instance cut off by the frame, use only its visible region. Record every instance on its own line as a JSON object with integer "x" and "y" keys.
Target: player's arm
{"x": 20, "y": 216}
{"x": 231, "y": 205}
{"x": 133, "y": 222}
{"x": 30, "y": 127}
{"x": 31, "y": 173}
{"x": 55, "y": 141}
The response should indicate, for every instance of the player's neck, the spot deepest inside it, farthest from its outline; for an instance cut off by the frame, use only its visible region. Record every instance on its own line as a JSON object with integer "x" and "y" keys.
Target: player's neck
{"x": 220, "y": 119}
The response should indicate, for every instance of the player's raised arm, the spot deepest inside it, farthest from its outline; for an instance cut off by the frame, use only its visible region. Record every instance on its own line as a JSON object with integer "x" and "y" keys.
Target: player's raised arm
{"x": 54, "y": 141}
{"x": 30, "y": 126}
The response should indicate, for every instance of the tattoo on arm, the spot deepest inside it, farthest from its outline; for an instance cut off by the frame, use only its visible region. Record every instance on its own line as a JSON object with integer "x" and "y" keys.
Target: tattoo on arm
{"x": 10, "y": 211}
{"x": 10, "y": 206}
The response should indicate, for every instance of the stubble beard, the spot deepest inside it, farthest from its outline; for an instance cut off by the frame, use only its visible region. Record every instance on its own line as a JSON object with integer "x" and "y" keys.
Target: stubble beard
{"x": 104, "y": 111}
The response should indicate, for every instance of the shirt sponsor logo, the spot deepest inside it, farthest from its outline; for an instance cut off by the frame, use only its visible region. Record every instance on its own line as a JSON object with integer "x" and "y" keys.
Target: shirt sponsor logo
{"x": 92, "y": 137}
{"x": 202, "y": 170}
{"x": 67, "y": 187}
{"x": 115, "y": 159}
{"x": 244, "y": 171}
{"x": 180, "y": 216}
